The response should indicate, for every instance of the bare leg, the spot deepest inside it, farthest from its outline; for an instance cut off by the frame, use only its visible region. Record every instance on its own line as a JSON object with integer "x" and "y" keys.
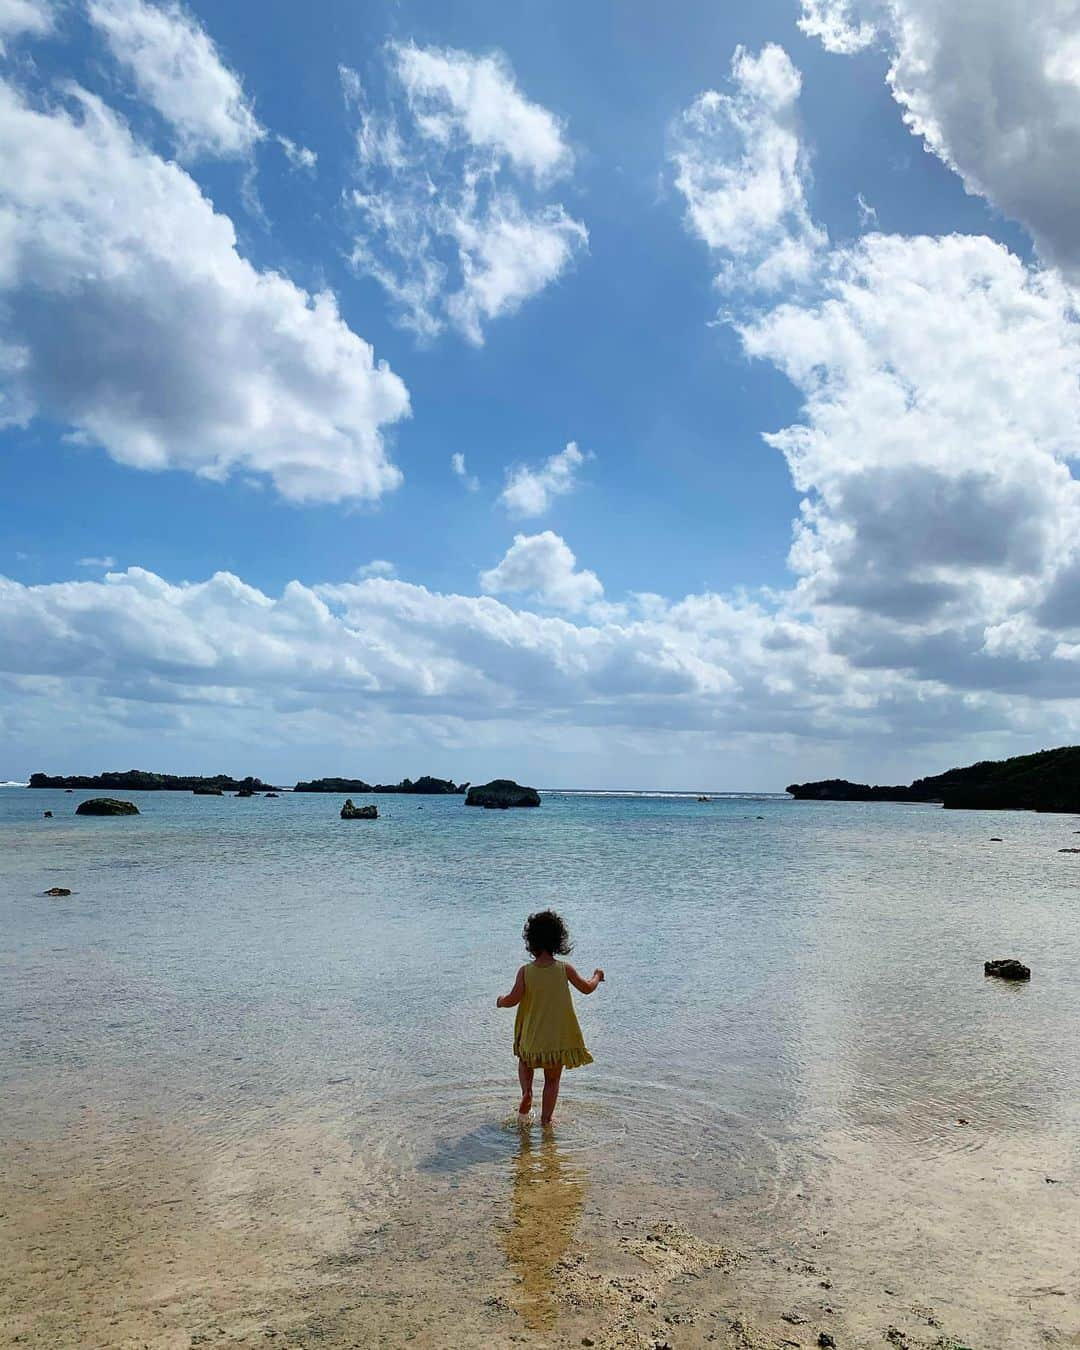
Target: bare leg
{"x": 552, "y": 1077}
{"x": 525, "y": 1078}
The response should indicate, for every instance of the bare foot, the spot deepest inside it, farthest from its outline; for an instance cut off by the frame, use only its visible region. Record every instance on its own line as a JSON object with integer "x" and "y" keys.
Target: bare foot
{"x": 526, "y": 1104}
{"x": 548, "y": 1122}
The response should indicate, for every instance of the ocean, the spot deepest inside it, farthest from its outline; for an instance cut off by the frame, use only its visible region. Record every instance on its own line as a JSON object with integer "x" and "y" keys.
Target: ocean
{"x": 795, "y": 1024}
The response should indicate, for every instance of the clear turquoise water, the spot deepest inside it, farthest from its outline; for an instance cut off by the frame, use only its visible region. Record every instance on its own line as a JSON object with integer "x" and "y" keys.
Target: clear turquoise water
{"x": 776, "y": 971}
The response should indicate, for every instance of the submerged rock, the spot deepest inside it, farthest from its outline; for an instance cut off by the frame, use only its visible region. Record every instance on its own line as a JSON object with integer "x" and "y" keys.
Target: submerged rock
{"x": 57, "y": 890}
{"x": 47, "y": 815}
{"x": 1009, "y": 969}
{"x": 106, "y": 806}
{"x": 273, "y": 794}
{"x": 351, "y": 812}
{"x": 500, "y": 794}
{"x": 203, "y": 791}
{"x": 247, "y": 792}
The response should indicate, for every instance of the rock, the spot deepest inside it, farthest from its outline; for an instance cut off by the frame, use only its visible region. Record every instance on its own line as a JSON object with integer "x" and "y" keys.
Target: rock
{"x": 350, "y": 812}
{"x": 47, "y": 815}
{"x": 1008, "y": 969}
{"x": 57, "y": 890}
{"x": 1069, "y": 850}
{"x": 273, "y": 794}
{"x": 247, "y": 792}
{"x": 106, "y": 806}
{"x": 995, "y": 839}
{"x": 825, "y": 1339}
{"x": 500, "y": 794}
{"x": 203, "y": 791}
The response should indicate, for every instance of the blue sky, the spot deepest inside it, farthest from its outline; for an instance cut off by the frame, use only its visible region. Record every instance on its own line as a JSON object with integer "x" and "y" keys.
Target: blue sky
{"x": 611, "y": 227}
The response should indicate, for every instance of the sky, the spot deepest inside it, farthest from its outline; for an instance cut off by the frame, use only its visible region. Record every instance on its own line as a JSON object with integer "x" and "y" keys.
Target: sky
{"x": 614, "y": 395}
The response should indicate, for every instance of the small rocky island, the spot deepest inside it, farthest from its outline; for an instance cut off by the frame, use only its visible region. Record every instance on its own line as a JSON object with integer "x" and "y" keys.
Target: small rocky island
{"x": 424, "y": 786}
{"x": 1046, "y": 781}
{"x": 351, "y": 812}
{"x": 106, "y": 806}
{"x": 500, "y": 794}
{"x": 139, "y": 780}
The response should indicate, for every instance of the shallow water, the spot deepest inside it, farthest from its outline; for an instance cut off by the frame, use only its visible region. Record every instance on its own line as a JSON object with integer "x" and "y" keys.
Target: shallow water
{"x": 792, "y": 988}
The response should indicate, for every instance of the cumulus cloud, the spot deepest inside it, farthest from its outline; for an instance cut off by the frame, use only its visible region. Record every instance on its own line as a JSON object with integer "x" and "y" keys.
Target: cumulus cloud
{"x": 457, "y": 467}
{"x": 543, "y": 565}
{"x": 178, "y": 70}
{"x": 993, "y": 89}
{"x": 529, "y": 492}
{"x": 836, "y": 25}
{"x": 940, "y": 514}
{"x": 133, "y": 657}
{"x": 451, "y": 210}
{"x": 130, "y": 316}
{"x": 454, "y": 95}
{"x": 742, "y": 168}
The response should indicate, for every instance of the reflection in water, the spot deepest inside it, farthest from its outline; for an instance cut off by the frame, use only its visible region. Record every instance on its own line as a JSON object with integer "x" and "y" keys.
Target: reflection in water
{"x": 546, "y": 1203}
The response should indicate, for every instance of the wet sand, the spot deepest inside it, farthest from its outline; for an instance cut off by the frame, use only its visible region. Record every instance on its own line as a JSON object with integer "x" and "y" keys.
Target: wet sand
{"x": 289, "y": 1237}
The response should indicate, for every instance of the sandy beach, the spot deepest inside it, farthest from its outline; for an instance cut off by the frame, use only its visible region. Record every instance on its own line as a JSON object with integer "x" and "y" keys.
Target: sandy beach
{"x": 154, "y": 1241}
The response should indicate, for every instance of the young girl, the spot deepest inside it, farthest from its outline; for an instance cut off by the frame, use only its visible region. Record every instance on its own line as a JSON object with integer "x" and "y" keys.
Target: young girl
{"x": 546, "y": 1031}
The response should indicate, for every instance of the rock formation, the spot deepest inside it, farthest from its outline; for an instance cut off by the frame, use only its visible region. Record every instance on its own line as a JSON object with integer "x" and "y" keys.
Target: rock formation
{"x": 106, "y": 806}
{"x": 351, "y": 812}
{"x": 1009, "y": 969}
{"x": 500, "y": 794}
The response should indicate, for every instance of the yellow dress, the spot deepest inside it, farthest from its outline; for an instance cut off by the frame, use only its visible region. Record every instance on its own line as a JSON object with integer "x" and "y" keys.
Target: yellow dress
{"x": 546, "y": 1028}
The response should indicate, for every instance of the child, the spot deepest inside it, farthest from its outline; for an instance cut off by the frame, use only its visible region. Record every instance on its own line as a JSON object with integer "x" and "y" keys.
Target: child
{"x": 546, "y": 1031}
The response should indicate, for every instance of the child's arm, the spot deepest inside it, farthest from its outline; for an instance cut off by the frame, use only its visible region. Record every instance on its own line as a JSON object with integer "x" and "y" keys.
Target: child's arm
{"x": 514, "y": 997}
{"x": 584, "y": 986}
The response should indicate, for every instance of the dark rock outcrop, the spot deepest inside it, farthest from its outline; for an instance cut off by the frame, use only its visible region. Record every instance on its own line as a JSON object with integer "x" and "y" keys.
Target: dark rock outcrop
{"x": 273, "y": 794}
{"x": 1046, "y": 781}
{"x": 424, "y": 786}
{"x": 47, "y": 815}
{"x": 1009, "y": 969}
{"x": 247, "y": 792}
{"x": 57, "y": 890}
{"x": 106, "y": 806}
{"x": 841, "y": 790}
{"x": 351, "y": 812}
{"x": 500, "y": 794}
{"x": 204, "y": 790}
{"x": 139, "y": 780}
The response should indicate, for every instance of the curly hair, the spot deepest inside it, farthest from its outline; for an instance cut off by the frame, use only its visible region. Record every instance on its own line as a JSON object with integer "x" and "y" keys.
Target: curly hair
{"x": 546, "y": 932}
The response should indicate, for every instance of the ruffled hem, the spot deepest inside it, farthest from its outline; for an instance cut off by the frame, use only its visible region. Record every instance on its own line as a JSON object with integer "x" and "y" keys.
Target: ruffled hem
{"x": 574, "y": 1058}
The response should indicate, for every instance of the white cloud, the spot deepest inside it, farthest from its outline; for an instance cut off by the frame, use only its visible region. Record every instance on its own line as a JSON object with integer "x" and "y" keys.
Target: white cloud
{"x": 867, "y": 213}
{"x": 455, "y": 95}
{"x": 457, "y": 467}
{"x": 940, "y": 514}
{"x": 178, "y": 70}
{"x": 507, "y": 256}
{"x": 378, "y": 567}
{"x": 836, "y": 24}
{"x": 528, "y": 492}
{"x": 132, "y": 659}
{"x": 106, "y": 563}
{"x": 130, "y": 316}
{"x": 299, "y": 156}
{"x": 993, "y": 89}
{"x": 33, "y": 17}
{"x": 742, "y": 168}
{"x": 543, "y": 565}
{"x": 443, "y": 171}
